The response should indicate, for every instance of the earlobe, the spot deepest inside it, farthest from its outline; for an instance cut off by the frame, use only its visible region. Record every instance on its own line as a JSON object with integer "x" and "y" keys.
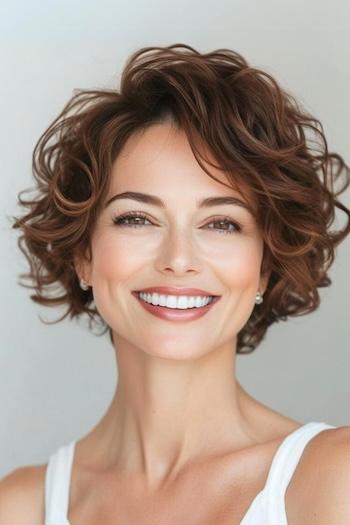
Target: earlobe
{"x": 264, "y": 281}
{"x": 84, "y": 285}
{"x": 81, "y": 269}
{"x": 265, "y": 270}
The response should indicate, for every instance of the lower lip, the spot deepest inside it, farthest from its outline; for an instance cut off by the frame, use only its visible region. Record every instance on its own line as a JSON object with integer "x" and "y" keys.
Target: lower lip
{"x": 176, "y": 314}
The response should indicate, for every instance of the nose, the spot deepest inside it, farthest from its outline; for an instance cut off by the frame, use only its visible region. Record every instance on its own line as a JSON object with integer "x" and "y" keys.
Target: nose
{"x": 178, "y": 252}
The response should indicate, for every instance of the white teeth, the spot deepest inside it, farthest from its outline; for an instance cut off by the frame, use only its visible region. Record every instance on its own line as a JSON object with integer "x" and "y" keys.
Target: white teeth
{"x": 175, "y": 301}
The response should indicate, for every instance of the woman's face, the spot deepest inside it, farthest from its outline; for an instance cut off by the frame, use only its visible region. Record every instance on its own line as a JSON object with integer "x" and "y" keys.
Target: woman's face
{"x": 180, "y": 245}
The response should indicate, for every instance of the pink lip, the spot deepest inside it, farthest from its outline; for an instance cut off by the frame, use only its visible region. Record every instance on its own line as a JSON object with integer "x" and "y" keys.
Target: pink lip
{"x": 170, "y": 290}
{"x": 176, "y": 314}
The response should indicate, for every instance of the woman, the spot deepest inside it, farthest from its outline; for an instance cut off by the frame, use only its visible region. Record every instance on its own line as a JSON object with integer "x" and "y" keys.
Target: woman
{"x": 187, "y": 212}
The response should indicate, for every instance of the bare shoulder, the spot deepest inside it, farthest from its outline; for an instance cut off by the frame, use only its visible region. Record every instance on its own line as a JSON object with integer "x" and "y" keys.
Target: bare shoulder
{"x": 320, "y": 487}
{"x": 22, "y": 496}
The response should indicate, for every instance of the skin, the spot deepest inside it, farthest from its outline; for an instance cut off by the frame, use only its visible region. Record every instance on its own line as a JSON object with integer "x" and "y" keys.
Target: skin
{"x": 176, "y": 380}
{"x": 182, "y": 441}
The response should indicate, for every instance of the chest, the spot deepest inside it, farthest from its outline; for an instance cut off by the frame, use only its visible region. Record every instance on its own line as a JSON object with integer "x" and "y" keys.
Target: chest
{"x": 202, "y": 498}
{"x": 203, "y": 509}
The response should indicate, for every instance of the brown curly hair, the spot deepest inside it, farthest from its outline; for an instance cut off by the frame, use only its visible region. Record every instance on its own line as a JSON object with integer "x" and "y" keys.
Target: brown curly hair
{"x": 256, "y": 131}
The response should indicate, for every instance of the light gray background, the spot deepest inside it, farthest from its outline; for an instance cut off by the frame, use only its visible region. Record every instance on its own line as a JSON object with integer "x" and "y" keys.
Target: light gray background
{"x": 56, "y": 381}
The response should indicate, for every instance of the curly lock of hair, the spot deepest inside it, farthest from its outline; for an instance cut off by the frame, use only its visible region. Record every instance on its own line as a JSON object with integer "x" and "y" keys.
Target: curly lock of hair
{"x": 256, "y": 131}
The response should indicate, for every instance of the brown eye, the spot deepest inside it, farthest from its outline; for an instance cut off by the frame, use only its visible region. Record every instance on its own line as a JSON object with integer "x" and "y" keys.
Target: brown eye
{"x": 129, "y": 216}
{"x": 228, "y": 222}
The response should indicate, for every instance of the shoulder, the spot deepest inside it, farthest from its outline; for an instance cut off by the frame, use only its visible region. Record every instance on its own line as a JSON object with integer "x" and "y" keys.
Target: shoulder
{"x": 22, "y": 496}
{"x": 319, "y": 490}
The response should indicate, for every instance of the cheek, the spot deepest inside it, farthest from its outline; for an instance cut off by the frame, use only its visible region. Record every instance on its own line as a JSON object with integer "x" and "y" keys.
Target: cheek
{"x": 113, "y": 271}
{"x": 114, "y": 260}
{"x": 240, "y": 265}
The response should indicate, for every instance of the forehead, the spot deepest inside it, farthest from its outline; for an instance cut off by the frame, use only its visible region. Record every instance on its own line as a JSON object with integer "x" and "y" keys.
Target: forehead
{"x": 159, "y": 160}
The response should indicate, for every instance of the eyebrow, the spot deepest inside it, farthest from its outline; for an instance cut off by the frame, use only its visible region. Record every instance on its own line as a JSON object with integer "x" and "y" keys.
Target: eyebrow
{"x": 156, "y": 201}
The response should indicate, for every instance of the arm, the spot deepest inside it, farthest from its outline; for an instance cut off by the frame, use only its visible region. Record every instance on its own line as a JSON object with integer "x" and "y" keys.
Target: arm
{"x": 321, "y": 490}
{"x": 22, "y": 496}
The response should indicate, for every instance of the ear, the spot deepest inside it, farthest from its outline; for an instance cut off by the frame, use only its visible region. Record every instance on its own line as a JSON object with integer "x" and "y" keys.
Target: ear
{"x": 82, "y": 267}
{"x": 264, "y": 280}
{"x": 264, "y": 276}
{"x": 265, "y": 271}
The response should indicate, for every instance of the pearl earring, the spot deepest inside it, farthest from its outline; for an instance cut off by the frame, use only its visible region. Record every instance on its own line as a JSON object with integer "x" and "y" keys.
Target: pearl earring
{"x": 84, "y": 285}
{"x": 259, "y": 298}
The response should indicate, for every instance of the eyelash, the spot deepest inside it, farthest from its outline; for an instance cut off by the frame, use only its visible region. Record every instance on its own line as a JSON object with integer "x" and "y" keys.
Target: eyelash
{"x": 117, "y": 221}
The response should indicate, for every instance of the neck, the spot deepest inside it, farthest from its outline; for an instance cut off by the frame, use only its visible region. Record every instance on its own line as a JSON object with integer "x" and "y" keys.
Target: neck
{"x": 167, "y": 413}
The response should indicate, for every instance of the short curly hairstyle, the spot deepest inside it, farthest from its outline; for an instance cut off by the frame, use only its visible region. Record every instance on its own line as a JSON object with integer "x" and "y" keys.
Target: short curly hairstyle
{"x": 255, "y": 130}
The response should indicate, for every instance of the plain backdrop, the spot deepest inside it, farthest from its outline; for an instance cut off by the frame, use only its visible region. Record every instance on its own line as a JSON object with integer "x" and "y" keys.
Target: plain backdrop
{"x": 57, "y": 381}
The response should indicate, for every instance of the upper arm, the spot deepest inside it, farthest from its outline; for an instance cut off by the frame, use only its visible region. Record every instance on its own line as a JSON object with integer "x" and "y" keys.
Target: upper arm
{"x": 22, "y": 497}
{"x": 320, "y": 492}
{"x": 334, "y": 498}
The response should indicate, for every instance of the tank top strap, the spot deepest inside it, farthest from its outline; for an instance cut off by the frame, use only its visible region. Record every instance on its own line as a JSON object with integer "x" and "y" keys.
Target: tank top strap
{"x": 283, "y": 467}
{"x": 268, "y": 507}
{"x": 57, "y": 485}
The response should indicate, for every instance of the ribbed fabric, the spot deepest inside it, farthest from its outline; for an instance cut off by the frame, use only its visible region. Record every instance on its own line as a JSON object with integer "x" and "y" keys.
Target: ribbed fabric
{"x": 267, "y": 508}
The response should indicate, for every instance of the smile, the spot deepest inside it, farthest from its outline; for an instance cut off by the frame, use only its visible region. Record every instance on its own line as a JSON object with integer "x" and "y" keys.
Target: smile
{"x": 179, "y": 308}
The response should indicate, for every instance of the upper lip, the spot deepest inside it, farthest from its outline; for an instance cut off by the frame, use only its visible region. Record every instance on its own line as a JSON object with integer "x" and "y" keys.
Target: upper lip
{"x": 170, "y": 290}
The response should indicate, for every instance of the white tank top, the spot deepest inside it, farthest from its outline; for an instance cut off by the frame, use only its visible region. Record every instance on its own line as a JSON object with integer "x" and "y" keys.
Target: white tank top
{"x": 267, "y": 508}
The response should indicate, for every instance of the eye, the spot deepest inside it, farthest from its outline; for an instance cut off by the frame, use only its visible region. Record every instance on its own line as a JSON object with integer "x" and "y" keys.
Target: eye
{"x": 227, "y": 221}
{"x": 127, "y": 216}
{"x": 119, "y": 221}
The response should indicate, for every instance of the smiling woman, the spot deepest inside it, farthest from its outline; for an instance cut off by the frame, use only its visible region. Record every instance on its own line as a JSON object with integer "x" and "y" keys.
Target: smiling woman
{"x": 187, "y": 212}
